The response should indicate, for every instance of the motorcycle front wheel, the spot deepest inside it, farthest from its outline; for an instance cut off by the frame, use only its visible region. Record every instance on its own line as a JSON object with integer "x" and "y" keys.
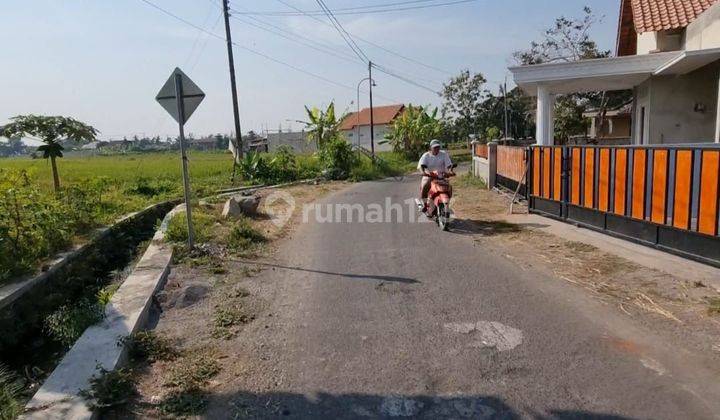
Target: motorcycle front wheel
{"x": 443, "y": 216}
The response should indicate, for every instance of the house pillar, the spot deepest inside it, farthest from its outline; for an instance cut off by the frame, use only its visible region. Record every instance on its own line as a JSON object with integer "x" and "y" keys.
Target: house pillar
{"x": 544, "y": 127}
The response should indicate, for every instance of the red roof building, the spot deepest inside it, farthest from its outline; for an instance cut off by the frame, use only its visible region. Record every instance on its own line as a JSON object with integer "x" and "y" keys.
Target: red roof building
{"x": 382, "y": 115}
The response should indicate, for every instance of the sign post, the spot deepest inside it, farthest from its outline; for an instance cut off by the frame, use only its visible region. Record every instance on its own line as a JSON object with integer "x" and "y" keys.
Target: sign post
{"x": 180, "y": 97}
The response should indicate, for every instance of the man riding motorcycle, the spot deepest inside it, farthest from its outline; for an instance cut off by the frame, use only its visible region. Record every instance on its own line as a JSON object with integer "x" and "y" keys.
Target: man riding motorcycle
{"x": 434, "y": 160}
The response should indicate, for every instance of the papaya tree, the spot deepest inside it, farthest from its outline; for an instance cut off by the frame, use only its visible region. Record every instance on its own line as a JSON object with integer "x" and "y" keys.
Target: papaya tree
{"x": 50, "y": 130}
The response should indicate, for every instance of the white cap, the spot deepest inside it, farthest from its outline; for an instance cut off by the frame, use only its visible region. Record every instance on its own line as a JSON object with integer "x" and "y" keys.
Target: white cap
{"x": 434, "y": 143}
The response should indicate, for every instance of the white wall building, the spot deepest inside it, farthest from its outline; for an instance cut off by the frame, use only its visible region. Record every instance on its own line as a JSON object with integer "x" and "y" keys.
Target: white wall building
{"x": 356, "y": 127}
{"x": 668, "y": 53}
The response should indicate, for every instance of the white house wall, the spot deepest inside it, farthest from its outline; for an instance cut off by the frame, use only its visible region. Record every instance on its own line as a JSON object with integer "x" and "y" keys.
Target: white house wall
{"x": 679, "y": 109}
{"x": 380, "y": 131}
{"x": 704, "y": 32}
{"x": 646, "y": 42}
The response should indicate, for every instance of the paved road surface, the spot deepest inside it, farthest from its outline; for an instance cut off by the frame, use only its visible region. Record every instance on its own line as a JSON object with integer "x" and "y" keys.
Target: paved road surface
{"x": 402, "y": 320}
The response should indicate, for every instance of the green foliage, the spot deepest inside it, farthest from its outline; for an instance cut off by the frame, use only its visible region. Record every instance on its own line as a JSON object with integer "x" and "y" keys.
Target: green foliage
{"x": 106, "y": 293}
{"x": 323, "y": 126}
{"x": 147, "y": 187}
{"x": 10, "y": 388}
{"x": 202, "y": 225}
{"x": 184, "y": 403}
{"x": 68, "y": 322}
{"x": 462, "y": 97}
{"x": 148, "y": 346}
{"x": 412, "y": 131}
{"x": 492, "y": 133}
{"x": 109, "y": 388}
{"x": 337, "y": 158}
{"x": 272, "y": 169}
{"x": 386, "y": 164}
{"x": 243, "y": 236}
{"x": 569, "y": 119}
{"x": 35, "y": 225}
{"x": 50, "y": 130}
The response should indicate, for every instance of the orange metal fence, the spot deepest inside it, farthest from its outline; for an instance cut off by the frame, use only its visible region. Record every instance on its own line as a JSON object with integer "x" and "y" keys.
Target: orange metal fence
{"x": 481, "y": 150}
{"x": 511, "y": 162}
{"x": 668, "y": 196}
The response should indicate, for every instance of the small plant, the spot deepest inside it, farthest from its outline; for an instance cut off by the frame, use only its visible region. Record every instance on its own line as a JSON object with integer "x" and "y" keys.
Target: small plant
{"x": 192, "y": 372}
{"x": 109, "y": 388}
{"x": 202, "y": 224}
{"x": 337, "y": 158}
{"x": 10, "y": 388}
{"x": 146, "y": 345}
{"x": 106, "y": 293}
{"x": 242, "y": 235}
{"x": 469, "y": 180}
{"x": 227, "y": 318}
{"x": 184, "y": 403}
{"x": 68, "y": 323}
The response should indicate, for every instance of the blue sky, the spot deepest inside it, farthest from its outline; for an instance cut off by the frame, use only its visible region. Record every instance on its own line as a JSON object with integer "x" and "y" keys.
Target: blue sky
{"x": 103, "y": 61}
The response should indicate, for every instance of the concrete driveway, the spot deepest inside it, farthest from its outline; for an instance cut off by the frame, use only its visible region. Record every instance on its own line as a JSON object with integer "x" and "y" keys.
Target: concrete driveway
{"x": 369, "y": 320}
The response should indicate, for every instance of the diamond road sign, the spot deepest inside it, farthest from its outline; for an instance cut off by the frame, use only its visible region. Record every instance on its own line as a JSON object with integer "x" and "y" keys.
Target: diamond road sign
{"x": 191, "y": 96}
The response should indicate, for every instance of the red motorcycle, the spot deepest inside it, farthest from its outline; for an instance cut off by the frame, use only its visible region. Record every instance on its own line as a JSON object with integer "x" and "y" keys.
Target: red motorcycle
{"x": 439, "y": 197}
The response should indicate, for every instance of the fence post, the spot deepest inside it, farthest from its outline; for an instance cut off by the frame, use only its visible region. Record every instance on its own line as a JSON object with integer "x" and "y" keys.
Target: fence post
{"x": 473, "y": 164}
{"x": 492, "y": 164}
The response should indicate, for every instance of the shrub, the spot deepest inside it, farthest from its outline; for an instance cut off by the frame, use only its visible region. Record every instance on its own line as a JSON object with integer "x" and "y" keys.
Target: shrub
{"x": 150, "y": 188}
{"x": 10, "y": 388}
{"x": 68, "y": 323}
{"x": 337, "y": 158}
{"x": 109, "y": 388}
{"x": 35, "y": 224}
{"x": 243, "y": 235}
{"x": 192, "y": 372}
{"x": 146, "y": 345}
{"x": 184, "y": 403}
{"x": 202, "y": 224}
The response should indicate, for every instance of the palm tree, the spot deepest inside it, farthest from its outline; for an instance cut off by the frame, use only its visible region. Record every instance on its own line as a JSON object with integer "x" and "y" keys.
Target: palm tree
{"x": 322, "y": 126}
{"x": 51, "y": 130}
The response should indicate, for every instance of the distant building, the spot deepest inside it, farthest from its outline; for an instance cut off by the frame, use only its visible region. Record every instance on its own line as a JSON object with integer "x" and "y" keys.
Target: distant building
{"x": 616, "y": 125}
{"x": 356, "y": 126}
{"x": 295, "y": 139}
{"x": 205, "y": 143}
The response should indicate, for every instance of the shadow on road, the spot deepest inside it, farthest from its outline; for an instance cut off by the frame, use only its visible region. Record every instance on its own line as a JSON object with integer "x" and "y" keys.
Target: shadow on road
{"x": 353, "y": 406}
{"x": 395, "y": 279}
{"x": 483, "y": 227}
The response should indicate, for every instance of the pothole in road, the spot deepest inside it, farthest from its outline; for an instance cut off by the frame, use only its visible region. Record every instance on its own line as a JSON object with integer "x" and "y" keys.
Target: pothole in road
{"x": 490, "y": 334}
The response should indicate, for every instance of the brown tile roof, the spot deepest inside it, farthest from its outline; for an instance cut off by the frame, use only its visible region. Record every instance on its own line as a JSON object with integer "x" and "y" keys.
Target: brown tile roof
{"x": 381, "y": 115}
{"x": 657, "y": 15}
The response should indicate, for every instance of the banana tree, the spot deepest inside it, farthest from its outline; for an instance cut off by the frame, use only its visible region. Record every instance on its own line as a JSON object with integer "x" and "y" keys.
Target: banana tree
{"x": 51, "y": 130}
{"x": 413, "y": 129}
{"x": 322, "y": 126}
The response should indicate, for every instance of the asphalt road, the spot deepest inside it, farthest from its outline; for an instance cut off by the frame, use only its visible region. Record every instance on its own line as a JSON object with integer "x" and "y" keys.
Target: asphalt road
{"x": 403, "y": 320}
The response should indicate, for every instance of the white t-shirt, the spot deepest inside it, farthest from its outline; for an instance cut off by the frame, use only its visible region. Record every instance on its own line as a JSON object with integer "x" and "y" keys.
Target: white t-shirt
{"x": 440, "y": 162}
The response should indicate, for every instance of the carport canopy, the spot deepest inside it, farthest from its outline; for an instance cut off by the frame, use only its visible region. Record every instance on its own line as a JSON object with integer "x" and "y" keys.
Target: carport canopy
{"x": 602, "y": 74}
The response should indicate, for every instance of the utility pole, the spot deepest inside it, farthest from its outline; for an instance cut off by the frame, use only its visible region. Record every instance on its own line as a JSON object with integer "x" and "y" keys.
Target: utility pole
{"x": 237, "y": 142}
{"x": 507, "y": 123}
{"x": 372, "y": 128}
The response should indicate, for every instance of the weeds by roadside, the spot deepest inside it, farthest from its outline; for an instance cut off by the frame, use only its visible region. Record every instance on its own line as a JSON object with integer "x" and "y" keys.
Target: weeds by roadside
{"x": 109, "y": 389}
{"x": 714, "y": 306}
{"x": 150, "y": 347}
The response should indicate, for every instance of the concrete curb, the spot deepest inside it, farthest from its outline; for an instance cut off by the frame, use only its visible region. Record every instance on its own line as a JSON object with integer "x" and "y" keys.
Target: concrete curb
{"x": 127, "y": 312}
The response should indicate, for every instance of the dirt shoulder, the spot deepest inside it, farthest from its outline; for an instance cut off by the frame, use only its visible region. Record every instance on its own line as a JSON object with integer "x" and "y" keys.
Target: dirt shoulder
{"x": 683, "y": 309}
{"x": 211, "y": 297}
